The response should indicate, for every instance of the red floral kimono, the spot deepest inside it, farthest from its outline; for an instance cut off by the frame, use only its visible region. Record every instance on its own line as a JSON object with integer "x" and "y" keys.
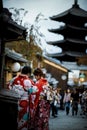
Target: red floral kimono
{"x": 40, "y": 107}
{"x": 22, "y": 84}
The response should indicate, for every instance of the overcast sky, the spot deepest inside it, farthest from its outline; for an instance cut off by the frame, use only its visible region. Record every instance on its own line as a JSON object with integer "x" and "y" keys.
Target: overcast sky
{"x": 47, "y": 8}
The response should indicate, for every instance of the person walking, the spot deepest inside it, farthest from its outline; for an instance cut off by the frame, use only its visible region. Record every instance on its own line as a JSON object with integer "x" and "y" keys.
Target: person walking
{"x": 41, "y": 104}
{"x": 55, "y": 104}
{"x": 75, "y": 101}
{"x": 66, "y": 100}
{"x": 22, "y": 84}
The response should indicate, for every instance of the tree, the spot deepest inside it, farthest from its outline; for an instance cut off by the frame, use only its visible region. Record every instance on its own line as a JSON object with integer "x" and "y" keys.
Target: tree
{"x": 33, "y": 30}
{"x": 33, "y": 36}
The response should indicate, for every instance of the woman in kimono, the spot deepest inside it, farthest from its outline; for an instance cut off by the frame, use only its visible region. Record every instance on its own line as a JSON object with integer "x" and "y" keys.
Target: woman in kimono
{"x": 40, "y": 105}
{"x": 22, "y": 84}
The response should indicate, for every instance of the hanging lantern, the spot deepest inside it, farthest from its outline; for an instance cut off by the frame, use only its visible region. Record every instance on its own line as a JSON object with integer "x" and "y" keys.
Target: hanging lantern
{"x": 16, "y": 67}
{"x": 82, "y": 77}
{"x": 63, "y": 77}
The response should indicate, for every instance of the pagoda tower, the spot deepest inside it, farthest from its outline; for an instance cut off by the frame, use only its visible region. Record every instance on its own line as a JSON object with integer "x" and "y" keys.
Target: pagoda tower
{"x": 74, "y": 32}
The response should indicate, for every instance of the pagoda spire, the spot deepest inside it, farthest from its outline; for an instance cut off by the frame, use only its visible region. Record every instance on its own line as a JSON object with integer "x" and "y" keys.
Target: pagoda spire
{"x": 75, "y": 2}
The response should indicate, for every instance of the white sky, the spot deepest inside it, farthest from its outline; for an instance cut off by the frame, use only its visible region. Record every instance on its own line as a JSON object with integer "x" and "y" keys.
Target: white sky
{"x": 47, "y": 8}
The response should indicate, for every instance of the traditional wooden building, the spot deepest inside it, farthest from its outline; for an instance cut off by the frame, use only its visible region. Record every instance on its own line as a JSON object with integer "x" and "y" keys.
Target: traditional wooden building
{"x": 58, "y": 71}
{"x": 74, "y": 32}
{"x": 12, "y": 59}
{"x": 9, "y": 31}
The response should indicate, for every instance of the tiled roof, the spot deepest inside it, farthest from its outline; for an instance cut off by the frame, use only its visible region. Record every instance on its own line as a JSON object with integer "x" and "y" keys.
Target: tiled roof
{"x": 67, "y": 65}
{"x": 14, "y": 55}
{"x": 74, "y": 11}
{"x": 68, "y": 53}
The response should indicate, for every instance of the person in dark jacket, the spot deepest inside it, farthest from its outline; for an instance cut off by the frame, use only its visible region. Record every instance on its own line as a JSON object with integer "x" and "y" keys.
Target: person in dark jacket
{"x": 75, "y": 101}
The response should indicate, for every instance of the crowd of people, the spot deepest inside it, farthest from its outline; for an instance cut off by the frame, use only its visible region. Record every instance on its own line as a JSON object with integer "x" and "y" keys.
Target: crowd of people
{"x": 38, "y": 100}
{"x": 75, "y": 100}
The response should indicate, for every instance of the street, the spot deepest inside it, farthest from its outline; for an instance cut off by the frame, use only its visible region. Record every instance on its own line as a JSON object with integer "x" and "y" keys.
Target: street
{"x": 68, "y": 122}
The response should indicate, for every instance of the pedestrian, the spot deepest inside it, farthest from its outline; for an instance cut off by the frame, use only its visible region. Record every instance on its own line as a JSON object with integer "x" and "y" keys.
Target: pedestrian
{"x": 54, "y": 103}
{"x": 59, "y": 99}
{"x": 22, "y": 84}
{"x": 41, "y": 104}
{"x": 66, "y": 100}
{"x": 75, "y": 101}
{"x": 84, "y": 103}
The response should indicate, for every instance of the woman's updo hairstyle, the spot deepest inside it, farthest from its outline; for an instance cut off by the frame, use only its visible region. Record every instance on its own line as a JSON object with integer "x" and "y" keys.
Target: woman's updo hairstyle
{"x": 26, "y": 70}
{"x": 37, "y": 72}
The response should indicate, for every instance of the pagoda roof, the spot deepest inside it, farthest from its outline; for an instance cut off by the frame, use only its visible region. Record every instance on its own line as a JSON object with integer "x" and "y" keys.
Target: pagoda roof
{"x": 71, "y": 45}
{"x": 74, "y": 12}
{"x": 69, "y": 41}
{"x": 64, "y": 30}
{"x": 67, "y": 56}
{"x": 77, "y": 41}
{"x": 69, "y": 53}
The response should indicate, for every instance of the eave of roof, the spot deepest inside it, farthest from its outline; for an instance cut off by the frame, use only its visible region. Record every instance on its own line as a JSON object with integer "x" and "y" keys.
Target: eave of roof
{"x": 74, "y": 11}
{"x": 11, "y": 30}
{"x": 69, "y": 41}
{"x": 15, "y": 56}
{"x": 67, "y": 28}
{"x": 68, "y": 53}
{"x": 67, "y": 65}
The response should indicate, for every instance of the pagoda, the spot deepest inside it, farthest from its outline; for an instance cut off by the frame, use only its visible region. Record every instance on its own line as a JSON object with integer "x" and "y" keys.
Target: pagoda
{"x": 74, "y": 31}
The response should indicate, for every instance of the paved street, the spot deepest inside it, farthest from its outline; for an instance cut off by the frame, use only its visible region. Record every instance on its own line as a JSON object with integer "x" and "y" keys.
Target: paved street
{"x": 64, "y": 122}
